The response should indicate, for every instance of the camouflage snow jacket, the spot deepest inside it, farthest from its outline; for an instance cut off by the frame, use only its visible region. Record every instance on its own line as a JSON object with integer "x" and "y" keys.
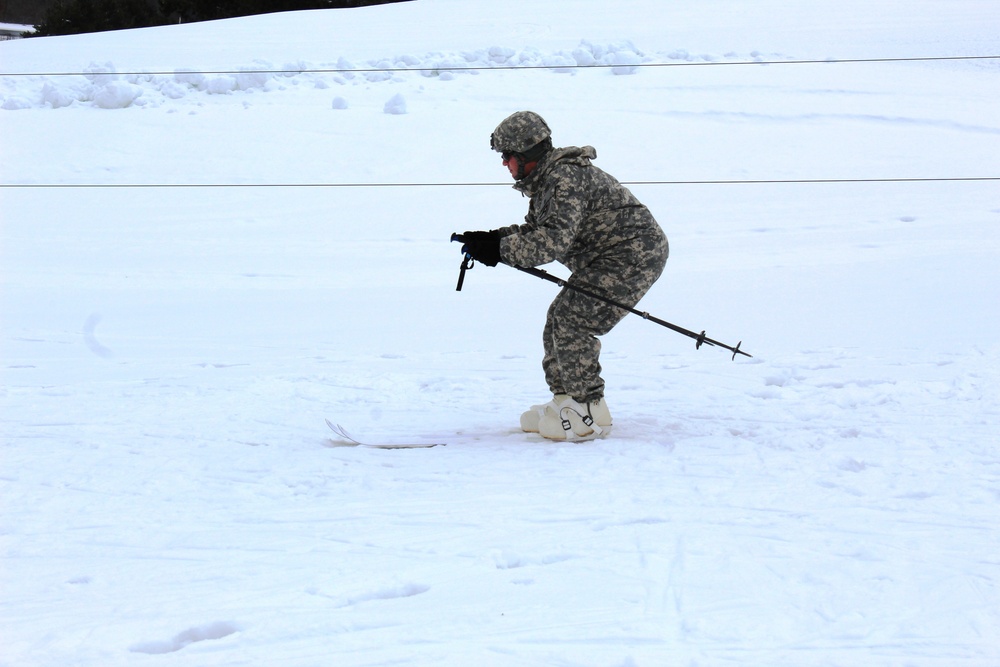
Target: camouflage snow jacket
{"x": 577, "y": 215}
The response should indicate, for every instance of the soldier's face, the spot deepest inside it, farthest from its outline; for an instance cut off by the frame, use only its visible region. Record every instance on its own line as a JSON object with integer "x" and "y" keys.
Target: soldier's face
{"x": 512, "y": 165}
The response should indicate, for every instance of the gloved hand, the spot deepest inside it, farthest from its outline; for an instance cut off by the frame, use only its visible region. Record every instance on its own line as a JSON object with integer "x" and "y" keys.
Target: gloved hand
{"x": 483, "y": 246}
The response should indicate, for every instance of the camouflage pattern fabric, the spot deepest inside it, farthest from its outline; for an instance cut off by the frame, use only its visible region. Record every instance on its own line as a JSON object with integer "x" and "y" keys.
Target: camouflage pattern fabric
{"x": 585, "y": 219}
{"x": 519, "y": 131}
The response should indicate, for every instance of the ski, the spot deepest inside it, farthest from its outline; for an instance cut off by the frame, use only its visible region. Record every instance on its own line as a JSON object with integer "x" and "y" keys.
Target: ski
{"x": 347, "y": 440}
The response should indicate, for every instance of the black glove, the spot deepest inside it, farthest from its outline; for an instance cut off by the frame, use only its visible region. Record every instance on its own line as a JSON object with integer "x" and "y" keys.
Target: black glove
{"x": 483, "y": 246}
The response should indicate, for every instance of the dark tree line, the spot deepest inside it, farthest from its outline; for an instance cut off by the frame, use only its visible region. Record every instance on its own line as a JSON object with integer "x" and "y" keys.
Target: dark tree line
{"x": 207, "y": 10}
{"x": 23, "y": 12}
{"x": 70, "y": 17}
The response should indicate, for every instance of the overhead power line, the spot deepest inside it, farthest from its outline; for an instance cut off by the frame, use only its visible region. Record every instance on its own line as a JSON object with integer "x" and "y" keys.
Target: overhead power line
{"x": 468, "y": 68}
{"x": 793, "y": 181}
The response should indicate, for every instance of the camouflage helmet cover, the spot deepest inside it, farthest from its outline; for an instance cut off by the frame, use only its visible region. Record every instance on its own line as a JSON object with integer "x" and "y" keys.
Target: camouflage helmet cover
{"x": 519, "y": 133}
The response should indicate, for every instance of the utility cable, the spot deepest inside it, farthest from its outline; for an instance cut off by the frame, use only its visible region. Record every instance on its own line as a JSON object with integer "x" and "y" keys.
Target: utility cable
{"x": 478, "y": 68}
{"x": 792, "y": 181}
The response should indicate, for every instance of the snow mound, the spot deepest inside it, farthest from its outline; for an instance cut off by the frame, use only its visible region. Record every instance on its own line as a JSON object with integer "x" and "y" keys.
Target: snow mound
{"x": 106, "y": 86}
{"x": 396, "y": 105}
{"x": 117, "y": 95}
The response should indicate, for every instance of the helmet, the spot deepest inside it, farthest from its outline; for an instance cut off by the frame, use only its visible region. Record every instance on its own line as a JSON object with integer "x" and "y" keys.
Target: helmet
{"x": 519, "y": 133}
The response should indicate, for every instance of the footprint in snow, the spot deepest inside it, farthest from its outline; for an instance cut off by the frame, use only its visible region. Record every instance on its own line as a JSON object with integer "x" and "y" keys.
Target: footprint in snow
{"x": 200, "y": 633}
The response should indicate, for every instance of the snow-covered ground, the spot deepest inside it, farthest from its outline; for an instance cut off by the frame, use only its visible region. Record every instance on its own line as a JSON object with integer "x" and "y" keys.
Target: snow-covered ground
{"x": 170, "y": 494}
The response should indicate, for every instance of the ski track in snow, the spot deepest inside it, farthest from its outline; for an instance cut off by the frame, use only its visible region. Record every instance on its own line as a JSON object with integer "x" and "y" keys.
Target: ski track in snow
{"x": 169, "y": 357}
{"x": 833, "y": 492}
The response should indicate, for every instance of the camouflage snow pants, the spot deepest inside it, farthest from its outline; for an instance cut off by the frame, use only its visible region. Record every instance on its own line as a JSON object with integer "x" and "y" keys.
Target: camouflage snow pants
{"x": 572, "y": 350}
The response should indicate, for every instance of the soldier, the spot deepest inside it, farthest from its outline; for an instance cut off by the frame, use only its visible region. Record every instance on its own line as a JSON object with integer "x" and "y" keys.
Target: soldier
{"x": 583, "y": 218}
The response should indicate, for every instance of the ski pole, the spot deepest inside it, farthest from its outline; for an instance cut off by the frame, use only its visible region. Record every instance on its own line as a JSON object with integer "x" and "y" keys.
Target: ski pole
{"x": 699, "y": 338}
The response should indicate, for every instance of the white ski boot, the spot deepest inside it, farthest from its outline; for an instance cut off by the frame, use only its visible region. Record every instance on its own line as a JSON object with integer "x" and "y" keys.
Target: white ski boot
{"x": 531, "y": 417}
{"x": 567, "y": 419}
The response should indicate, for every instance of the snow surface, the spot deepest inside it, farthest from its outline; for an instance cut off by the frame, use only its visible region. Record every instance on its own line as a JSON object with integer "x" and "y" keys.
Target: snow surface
{"x": 170, "y": 495}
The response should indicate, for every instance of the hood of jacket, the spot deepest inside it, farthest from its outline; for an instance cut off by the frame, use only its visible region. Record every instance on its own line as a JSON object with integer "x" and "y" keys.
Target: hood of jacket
{"x": 574, "y": 155}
